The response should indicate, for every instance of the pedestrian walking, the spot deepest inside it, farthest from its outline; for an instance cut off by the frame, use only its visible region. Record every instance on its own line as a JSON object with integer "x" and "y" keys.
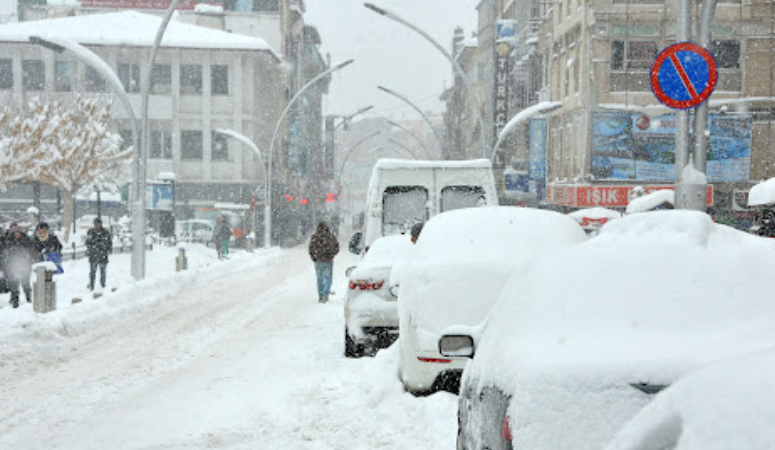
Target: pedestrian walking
{"x": 323, "y": 246}
{"x": 99, "y": 244}
{"x": 19, "y": 255}
{"x": 221, "y": 237}
{"x": 47, "y": 246}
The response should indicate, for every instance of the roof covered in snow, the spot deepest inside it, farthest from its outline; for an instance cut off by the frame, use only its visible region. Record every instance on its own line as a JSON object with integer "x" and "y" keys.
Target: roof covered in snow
{"x": 130, "y": 28}
{"x": 412, "y": 164}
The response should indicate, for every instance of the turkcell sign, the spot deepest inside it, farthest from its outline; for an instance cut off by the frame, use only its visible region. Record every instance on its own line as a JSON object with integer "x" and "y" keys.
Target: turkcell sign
{"x": 505, "y": 32}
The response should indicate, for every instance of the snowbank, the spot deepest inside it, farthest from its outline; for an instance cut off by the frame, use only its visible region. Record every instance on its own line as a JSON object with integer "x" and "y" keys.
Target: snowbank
{"x": 651, "y": 201}
{"x": 762, "y": 194}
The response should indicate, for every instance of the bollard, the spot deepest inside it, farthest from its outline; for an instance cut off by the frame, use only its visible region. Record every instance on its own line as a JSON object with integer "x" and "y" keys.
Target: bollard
{"x": 44, "y": 290}
{"x": 181, "y": 262}
{"x": 249, "y": 245}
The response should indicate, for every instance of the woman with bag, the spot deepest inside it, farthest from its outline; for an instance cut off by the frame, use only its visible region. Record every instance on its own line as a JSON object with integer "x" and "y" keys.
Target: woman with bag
{"x": 48, "y": 246}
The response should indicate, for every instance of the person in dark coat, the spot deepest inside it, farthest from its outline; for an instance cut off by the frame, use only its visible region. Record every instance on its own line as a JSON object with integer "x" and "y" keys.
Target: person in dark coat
{"x": 45, "y": 242}
{"x": 99, "y": 244}
{"x": 221, "y": 237}
{"x": 323, "y": 246}
{"x": 20, "y": 254}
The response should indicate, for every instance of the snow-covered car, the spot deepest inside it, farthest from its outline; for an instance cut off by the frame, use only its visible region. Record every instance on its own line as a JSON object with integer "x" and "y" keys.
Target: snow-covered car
{"x": 370, "y": 310}
{"x": 725, "y": 406}
{"x": 593, "y": 219}
{"x": 576, "y": 346}
{"x": 462, "y": 261}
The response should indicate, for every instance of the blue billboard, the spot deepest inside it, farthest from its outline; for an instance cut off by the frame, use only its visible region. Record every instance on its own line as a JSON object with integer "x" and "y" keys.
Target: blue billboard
{"x": 630, "y": 146}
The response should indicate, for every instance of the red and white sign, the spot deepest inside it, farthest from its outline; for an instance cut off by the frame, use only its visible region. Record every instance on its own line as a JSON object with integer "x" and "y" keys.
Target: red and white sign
{"x": 603, "y": 196}
{"x": 144, "y": 4}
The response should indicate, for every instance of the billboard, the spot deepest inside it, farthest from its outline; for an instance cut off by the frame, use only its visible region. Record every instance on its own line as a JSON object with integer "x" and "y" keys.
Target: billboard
{"x": 602, "y": 196}
{"x": 633, "y": 146}
{"x": 159, "y": 197}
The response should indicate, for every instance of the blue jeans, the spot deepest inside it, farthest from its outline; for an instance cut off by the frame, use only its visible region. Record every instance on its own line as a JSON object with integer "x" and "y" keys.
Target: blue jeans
{"x": 324, "y": 272}
{"x": 93, "y": 273}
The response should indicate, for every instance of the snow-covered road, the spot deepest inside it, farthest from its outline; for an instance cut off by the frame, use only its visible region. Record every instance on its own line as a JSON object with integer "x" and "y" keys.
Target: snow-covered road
{"x": 231, "y": 355}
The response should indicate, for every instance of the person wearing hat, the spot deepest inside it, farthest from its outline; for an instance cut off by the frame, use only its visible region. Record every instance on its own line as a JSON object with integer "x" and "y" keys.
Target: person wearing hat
{"x": 99, "y": 244}
{"x": 47, "y": 246}
{"x": 20, "y": 254}
{"x": 221, "y": 236}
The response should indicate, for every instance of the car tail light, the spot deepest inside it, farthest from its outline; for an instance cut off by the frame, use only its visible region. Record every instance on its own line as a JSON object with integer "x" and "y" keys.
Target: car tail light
{"x": 434, "y": 360}
{"x": 506, "y": 429}
{"x": 365, "y": 285}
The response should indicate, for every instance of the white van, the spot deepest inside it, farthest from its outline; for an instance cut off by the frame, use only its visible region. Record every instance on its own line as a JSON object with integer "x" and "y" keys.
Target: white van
{"x": 405, "y": 192}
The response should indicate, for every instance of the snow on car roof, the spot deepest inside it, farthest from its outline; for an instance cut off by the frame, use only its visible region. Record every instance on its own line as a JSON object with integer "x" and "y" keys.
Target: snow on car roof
{"x": 664, "y": 290}
{"x": 762, "y": 193}
{"x": 594, "y": 213}
{"x": 724, "y": 406}
{"x": 413, "y": 164}
{"x": 651, "y": 201}
{"x": 465, "y": 256}
{"x": 383, "y": 253}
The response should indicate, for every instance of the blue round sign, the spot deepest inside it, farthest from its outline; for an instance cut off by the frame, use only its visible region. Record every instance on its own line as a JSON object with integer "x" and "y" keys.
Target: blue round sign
{"x": 684, "y": 75}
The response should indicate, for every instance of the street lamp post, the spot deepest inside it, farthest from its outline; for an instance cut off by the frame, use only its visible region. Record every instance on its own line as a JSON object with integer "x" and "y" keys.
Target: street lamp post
{"x": 268, "y": 193}
{"x": 402, "y": 147}
{"x": 416, "y": 108}
{"x": 459, "y": 70}
{"x": 347, "y": 119}
{"x": 248, "y": 142}
{"x": 398, "y": 125}
{"x": 350, "y": 152}
{"x": 522, "y": 116}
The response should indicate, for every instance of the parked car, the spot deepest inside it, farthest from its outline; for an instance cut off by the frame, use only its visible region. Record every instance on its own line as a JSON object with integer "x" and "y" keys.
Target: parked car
{"x": 577, "y": 345}
{"x": 195, "y": 230}
{"x": 462, "y": 261}
{"x": 403, "y": 193}
{"x": 728, "y": 405}
{"x": 370, "y": 309}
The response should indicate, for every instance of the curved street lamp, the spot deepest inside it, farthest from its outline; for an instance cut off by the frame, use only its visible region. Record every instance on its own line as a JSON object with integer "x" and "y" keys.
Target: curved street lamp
{"x": 268, "y": 193}
{"x": 350, "y": 152}
{"x": 251, "y": 145}
{"x": 459, "y": 70}
{"x": 346, "y": 119}
{"x": 403, "y": 147}
{"x": 398, "y": 125}
{"x": 416, "y": 108}
{"x": 522, "y": 116}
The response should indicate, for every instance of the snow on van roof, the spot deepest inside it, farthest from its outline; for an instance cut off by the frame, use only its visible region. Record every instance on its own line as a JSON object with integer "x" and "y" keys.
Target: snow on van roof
{"x": 412, "y": 164}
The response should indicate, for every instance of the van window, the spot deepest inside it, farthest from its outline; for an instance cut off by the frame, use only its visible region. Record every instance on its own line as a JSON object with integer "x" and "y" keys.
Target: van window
{"x": 402, "y": 207}
{"x": 457, "y": 197}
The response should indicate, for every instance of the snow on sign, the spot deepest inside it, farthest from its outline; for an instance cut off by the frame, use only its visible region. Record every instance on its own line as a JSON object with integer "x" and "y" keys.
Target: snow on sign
{"x": 684, "y": 75}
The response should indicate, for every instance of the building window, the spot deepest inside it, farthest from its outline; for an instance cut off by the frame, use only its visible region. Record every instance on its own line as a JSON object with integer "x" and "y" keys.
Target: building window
{"x": 94, "y": 81}
{"x": 191, "y": 145}
{"x": 220, "y": 147}
{"x": 727, "y": 53}
{"x": 219, "y": 80}
{"x": 266, "y": 5}
{"x": 6, "y": 74}
{"x": 33, "y": 75}
{"x": 63, "y": 76}
{"x": 161, "y": 144}
{"x": 129, "y": 74}
{"x": 190, "y": 79}
{"x": 161, "y": 79}
{"x": 633, "y": 55}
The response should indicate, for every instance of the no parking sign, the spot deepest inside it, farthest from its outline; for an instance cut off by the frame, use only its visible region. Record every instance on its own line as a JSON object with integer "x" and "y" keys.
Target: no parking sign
{"x": 684, "y": 75}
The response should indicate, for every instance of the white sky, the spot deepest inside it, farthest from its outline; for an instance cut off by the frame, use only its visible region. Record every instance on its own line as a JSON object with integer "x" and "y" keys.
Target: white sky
{"x": 387, "y": 53}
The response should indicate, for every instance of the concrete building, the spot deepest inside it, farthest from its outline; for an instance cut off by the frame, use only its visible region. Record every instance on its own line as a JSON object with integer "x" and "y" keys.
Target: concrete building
{"x": 595, "y": 58}
{"x": 203, "y": 80}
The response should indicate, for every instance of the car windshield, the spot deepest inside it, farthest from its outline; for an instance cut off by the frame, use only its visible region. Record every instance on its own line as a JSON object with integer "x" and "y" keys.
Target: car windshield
{"x": 403, "y": 206}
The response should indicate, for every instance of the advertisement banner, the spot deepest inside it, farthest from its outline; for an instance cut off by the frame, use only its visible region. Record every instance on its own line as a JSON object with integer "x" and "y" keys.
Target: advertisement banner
{"x": 602, "y": 196}
{"x": 636, "y": 147}
{"x": 159, "y": 197}
{"x": 505, "y": 32}
{"x": 538, "y": 149}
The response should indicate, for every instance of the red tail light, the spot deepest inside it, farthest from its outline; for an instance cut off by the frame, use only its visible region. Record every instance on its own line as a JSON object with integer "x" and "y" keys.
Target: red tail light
{"x": 364, "y": 285}
{"x": 506, "y": 429}
{"x": 434, "y": 360}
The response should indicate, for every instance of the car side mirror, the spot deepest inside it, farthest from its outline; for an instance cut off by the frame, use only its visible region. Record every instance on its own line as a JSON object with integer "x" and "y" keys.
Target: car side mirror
{"x": 349, "y": 271}
{"x": 458, "y": 345}
{"x": 356, "y": 243}
{"x": 393, "y": 290}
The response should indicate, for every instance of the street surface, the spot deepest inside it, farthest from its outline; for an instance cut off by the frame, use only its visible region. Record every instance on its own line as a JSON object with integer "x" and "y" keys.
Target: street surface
{"x": 247, "y": 361}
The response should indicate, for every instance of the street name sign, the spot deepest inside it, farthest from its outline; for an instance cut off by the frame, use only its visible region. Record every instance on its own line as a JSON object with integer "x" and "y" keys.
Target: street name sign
{"x": 684, "y": 75}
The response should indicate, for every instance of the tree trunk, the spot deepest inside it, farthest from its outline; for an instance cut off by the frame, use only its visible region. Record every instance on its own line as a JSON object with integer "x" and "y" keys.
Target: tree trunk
{"x": 68, "y": 199}
{"x": 36, "y": 198}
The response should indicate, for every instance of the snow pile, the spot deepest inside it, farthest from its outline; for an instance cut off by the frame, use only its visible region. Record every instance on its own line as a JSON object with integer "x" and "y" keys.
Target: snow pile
{"x": 693, "y": 176}
{"x": 464, "y": 258}
{"x": 651, "y": 201}
{"x": 654, "y": 296}
{"x": 762, "y": 194}
{"x": 205, "y": 8}
{"x": 725, "y": 406}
